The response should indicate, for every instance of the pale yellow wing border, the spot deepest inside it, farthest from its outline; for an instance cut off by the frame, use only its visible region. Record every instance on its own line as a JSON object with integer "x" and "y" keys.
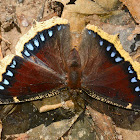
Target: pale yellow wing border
{"x": 115, "y": 40}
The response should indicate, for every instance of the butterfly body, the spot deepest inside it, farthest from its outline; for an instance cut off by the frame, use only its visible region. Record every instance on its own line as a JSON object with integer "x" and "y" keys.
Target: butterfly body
{"x": 74, "y": 70}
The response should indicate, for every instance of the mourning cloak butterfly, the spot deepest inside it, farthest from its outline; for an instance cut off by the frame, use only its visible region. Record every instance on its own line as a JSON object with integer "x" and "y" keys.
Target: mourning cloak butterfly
{"x": 45, "y": 64}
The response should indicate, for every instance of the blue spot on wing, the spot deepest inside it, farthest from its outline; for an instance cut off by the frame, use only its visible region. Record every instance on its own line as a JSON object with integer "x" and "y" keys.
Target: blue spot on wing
{"x": 26, "y": 53}
{"x": 118, "y": 59}
{"x": 30, "y": 46}
{"x": 50, "y": 33}
{"x": 1, "y": 87}
{"x": 42, "y": 37}
{"x": 6, "y": 82}
{"x": 113, "y": 54}
{"x": 9, "y": 73}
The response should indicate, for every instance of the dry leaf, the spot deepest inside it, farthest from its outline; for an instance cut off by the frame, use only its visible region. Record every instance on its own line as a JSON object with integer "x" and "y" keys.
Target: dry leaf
{"x": 104, "y": 125}
{"x": 137, "y": 30}
{"x": 134, "y": 8}
{"x": 54, "y": 131}
{"x": 128, "y": 134}
{"x": 77, "y": 12}
{"x": 83, "y": 7}
{"x": 108, "y": 4}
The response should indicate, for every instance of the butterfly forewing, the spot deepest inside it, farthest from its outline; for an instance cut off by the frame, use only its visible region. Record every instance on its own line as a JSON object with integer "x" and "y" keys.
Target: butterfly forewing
{"x": 42, "y": 68}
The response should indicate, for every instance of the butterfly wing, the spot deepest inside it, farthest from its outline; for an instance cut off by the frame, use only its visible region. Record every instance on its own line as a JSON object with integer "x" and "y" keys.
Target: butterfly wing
{"x": 109, "y": 74}
{"x": 39, "y": 68}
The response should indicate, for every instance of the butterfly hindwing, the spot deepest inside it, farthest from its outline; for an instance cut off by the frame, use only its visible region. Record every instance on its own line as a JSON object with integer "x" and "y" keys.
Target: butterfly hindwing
{"x": 106, "y": 72}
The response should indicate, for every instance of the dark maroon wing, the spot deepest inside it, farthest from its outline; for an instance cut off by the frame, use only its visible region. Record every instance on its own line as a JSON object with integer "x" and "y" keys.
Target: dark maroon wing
{"x": 42, "y": 70}
{"x": 107, "y": 75}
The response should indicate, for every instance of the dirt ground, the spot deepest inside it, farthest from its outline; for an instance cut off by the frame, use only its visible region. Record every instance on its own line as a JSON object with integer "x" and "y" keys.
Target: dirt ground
{"x": 23, "y": 121}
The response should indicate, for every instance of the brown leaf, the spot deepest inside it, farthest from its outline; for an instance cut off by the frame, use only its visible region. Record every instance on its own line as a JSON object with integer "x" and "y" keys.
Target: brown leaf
{"x": 77, "y": 12}
{"x": 104, "y": 125}
{"x": 134, "y": 8}
{"x": 108, "y": 4}
{"x": 54, "y": 131}
{"x": 83, "y": 7}
{"x": 128, "y": 134}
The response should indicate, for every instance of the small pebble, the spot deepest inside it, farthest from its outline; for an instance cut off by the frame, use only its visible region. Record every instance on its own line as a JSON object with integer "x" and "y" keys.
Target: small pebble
{"x": 25, "y": 23}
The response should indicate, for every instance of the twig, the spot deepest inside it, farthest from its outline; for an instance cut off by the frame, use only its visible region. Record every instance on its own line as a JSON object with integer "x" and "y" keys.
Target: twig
{"x": 5, "y": 40}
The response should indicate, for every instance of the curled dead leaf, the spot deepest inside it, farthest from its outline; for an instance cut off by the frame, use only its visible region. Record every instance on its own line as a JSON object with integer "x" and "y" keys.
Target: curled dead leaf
{"x": 83, "y": 7}
{"x": 108, "y": 4}
{"x": 134, "y": 8}
{"x": 77, "y": 12}
{"x": 104, "y": 125}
